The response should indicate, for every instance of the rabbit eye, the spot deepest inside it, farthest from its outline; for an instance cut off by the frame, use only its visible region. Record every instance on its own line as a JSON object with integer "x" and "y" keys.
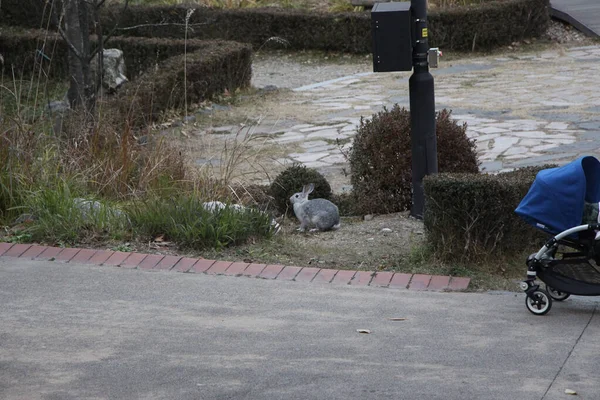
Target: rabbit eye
{"x": 297, "y": 196}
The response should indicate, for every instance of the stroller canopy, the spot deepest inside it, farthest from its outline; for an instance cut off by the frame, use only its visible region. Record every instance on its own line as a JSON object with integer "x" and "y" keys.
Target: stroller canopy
{"x": 556, "y": 198}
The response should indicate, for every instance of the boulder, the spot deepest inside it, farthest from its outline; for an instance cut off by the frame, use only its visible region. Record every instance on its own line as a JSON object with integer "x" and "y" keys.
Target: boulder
{"x": 114, "y": 69}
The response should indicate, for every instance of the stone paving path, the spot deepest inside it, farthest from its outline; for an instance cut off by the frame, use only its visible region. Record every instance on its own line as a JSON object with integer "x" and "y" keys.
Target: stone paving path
{"x": 522, "y": 109}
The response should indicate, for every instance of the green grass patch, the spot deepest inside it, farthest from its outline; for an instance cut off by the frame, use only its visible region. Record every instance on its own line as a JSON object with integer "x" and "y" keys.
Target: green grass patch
{"x": 59, "y": 216}
{"x": 185, "y": 221}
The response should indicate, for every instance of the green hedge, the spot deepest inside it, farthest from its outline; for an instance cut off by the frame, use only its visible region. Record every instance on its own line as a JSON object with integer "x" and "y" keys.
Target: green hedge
{"x": 25, "y": 48}
{"x": 483, "y": 26}
{"x": 470, "y": 217}
{"x": 489, "y": 25}
{"x": 33, "y": 14}
{"x": 155, "y": 68}
{"x": 26, "y": 51}
{"x": 222, "y": 65}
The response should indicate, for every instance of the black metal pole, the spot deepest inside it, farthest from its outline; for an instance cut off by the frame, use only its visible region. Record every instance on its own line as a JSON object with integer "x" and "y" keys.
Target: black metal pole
{"x": 422, "y": 110}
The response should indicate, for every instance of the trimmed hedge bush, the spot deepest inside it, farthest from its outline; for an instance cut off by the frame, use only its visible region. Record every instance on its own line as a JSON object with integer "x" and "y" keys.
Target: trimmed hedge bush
{"x": 291, "y": 180}
{"x": 470, "y": 217}
{"x": 25, "y": 48}
{"x": 381, "y": 158}
{"x": 212, "y": 67}
{"x": 28, "y": 50}
{"x": 483, "y": 27}
{"x": 222, "y": 65}
{"x": 487, "y": 25}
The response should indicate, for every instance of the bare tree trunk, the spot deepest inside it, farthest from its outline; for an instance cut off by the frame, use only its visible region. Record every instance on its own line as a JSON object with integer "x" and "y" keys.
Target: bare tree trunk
{"x": 77, "y": 31}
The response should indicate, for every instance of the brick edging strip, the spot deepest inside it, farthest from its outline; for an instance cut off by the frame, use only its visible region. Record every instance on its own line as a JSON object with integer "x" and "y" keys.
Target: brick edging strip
{"x": 156, "y": 262}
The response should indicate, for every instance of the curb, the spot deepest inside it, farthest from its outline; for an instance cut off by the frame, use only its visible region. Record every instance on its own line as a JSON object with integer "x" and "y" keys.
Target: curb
{"x": 156, "y": 262}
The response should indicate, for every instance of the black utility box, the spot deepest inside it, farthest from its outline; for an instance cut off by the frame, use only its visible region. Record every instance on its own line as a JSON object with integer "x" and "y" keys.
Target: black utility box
{"x": 391, "y": 28}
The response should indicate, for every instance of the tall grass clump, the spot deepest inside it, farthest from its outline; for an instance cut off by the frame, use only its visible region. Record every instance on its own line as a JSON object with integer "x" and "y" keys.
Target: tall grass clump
{"x": 186, "y": 221}
{"x": 73, "y": 176}
{"x": 60, "y": 216}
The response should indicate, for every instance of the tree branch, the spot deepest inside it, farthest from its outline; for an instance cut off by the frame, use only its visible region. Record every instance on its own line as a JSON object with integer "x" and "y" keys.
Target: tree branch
{"x": 57, "y": 21}
{"x": 70, "y": 44}
{"x": 166, "y": 24}
{"x": 112, "y": 31}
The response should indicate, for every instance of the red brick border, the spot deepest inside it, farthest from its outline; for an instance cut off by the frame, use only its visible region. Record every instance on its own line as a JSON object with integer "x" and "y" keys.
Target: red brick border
{"x": 237, "y": 268}
{"x": 49, "y": 254}
{"x": 419, "y": 282}
{"x": 400, "y": 281}
{"x": 185, "y": 264}
{"x": 253, "y": 270}
{"x": 151, "y": 261}
{"x": 4, "y": 247}
{"x": 362, "y": 278}
{"x": 343, "y": 277}
{"x": 270, "y": 271}
{"x": 202, "y": 266}
{"x": 382, "y": 279}
{"x": 83, "y": 256}
{"x": 325, "y": 276}
{"x": 33, "y": 251}
{"x": 17, "y": 250}
{"x": 218, "y": 267}
{"x": 307, "y": 274}
{"x": 156, "y": 262}
{"x": 168, "y": 262}
{"x": 288, "y": 273}
{"x": 101, "y": 256}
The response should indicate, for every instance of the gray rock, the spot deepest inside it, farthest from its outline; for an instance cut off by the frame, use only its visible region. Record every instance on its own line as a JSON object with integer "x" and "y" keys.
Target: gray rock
{"x": 113, "y": 76}
{"x": 204, "y": 111}
{"x": 219, "y": 107}
{"x": 386, "y": 230}
{"x": 91, "y": 208}
{"x": 24, "y": 218}
{"x": 190, "y": 119}
{"x": 269, "y": 88}
{"x": 368, "y": 217}
{"x": 58, "y": 106}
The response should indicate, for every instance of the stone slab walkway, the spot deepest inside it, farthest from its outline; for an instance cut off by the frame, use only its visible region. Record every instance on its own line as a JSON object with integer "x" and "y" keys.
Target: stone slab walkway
{"x": 155, "y": 262}
{"x": 521, "y": 108}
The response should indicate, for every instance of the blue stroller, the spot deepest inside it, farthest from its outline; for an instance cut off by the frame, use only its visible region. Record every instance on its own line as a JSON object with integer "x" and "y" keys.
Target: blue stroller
{"x": 563, "y": 202}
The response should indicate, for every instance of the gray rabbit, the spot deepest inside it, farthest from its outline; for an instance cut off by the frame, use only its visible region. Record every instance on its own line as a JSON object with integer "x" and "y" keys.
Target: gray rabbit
{"x": 320, "y": 213}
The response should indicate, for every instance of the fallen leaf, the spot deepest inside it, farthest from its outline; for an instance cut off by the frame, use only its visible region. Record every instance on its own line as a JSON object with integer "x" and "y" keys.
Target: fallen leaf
{"x": 572, "y": 392}
{"x": 160, "y": 238}
{"x": 397, "y": 319}
{"x": 363, "y": 331}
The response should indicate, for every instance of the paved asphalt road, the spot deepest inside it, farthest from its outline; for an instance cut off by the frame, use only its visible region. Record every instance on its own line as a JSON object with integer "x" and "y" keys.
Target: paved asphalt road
{"x": 85, "y": 332}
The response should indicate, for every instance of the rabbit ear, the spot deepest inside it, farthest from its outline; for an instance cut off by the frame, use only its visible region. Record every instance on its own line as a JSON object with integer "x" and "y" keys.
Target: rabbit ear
{"x": 310, "y": 188}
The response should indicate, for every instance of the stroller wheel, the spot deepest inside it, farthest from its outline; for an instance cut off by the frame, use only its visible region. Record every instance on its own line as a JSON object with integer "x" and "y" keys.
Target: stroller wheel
{"x": 557, "y": 295}
{"x": 539, "y": 303}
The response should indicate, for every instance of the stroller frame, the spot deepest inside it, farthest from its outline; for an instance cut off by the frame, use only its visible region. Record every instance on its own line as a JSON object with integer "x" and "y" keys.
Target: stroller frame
{"x": 563, "y": 202}
{"x": 559, "y": 287}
